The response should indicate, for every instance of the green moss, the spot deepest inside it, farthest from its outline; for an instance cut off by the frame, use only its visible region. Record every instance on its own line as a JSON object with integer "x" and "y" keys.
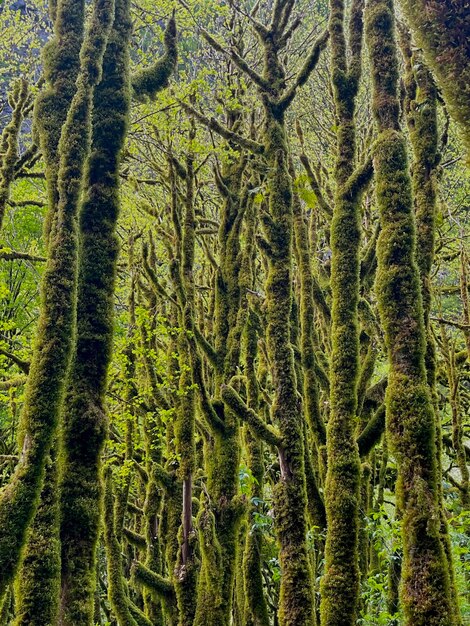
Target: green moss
{"x": 425, "y": 595}
{"x": 85, "y": 423}
{"x": 53, "y": 346}
{"x": 372, "y": 431}
{"x": 144, "y": 576}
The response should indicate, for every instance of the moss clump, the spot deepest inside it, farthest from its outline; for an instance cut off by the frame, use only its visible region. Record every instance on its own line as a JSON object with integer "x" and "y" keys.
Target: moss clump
{"x": 53, "y": 346}
{"x": 425, "y": 595}
{"x": 85, "y": 425}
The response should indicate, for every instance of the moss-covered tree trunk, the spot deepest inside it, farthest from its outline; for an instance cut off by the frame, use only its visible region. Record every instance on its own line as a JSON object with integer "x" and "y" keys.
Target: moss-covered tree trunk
{"x": 38, "y": 581}
{"x": 61, "y": 66}
{"x": 255, "y": 610}
{"x": 340, "y": 584}
{"x": 440, "y": 28}
{"x": 425, "y": 594}
{"x": 422, "y": 119}
{"x": 185, "y": 563}
{"x": 85, "y": 425}
{"x": 216, "y": 581}
{"x": 53, "y": 347}
{"x": 296, "y": 606}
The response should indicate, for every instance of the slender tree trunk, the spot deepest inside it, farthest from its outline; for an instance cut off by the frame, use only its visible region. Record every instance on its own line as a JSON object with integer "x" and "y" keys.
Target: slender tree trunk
{"x": 425, "y": 594}
{"x": 340, "y": 584}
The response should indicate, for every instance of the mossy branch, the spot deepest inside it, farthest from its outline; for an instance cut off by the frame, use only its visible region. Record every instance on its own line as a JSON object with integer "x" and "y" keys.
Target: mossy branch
{"x": 264, "y": 431}
{"x": 261, "y": 82}
{"x": 164, "y": 478}
{"x": 138, "y": 615}
{"x": 141, "y": 471}
{"x": 372, "y": 432}
{"x": 308, "y": 67}
{"x": 147, "y": 82}
{"x": 156, "y": 582}
{"x": 206, "y": 347}
{"x": 13, "y": 382}
{"x": 359, "y": 179}
{"x": 135, "y": 539}
{"x": 133, "y": 508}
{"x": 28, "y": 159}
{"x": 14, "y": 255}
{"x": 155, "y": 283}
{"x": 21, "y": 363}
{"x": 9, "y": 142}
{"x": 312, "y": 179}
{"x": 223, "y": 131}
{"x": 369, "y": 257}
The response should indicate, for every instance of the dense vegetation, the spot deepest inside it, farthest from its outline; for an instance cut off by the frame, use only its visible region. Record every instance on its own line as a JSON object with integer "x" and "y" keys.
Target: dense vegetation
{"x": 234, "y": 313}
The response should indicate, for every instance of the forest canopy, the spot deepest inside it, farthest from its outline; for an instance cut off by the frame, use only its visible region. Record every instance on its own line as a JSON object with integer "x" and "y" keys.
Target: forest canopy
{"x": 234, "y": 313}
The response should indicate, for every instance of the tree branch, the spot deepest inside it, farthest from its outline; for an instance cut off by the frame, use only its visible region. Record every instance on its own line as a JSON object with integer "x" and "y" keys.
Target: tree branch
{"x": 213, "y": 124}
{"x": 264, "y": 431}
{"x": 308, "y": 67}
{"x": 239, "y": 62}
